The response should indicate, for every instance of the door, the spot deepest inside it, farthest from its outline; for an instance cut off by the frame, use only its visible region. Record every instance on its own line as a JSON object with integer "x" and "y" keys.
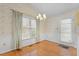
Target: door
{"x": 28, "y": 30}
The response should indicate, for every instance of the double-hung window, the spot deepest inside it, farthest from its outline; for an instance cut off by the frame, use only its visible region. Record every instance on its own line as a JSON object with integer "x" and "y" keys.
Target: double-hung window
{"x": 66, "y": 30}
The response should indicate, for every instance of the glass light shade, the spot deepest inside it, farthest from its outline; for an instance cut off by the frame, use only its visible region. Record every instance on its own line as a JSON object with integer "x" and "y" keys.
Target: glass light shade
{"x": 44, "y": 16}
{"x": 41, "y": 18}
{"x": 39, "y": 15}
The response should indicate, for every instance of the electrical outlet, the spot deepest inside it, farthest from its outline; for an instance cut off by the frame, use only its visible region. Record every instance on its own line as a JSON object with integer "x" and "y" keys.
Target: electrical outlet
{"x": 4, "y": 44}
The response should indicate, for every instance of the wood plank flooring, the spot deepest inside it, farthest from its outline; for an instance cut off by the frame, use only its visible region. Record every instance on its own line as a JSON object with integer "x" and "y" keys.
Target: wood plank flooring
{"x": 43, "y": 48}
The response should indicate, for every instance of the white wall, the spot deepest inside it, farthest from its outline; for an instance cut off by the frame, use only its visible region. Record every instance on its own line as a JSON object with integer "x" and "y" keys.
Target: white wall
{"x": 43, "y": 35}
{"x": 53, "y": 27}
{"x": 6, "y": 41}
{"x": 5, "y": 29}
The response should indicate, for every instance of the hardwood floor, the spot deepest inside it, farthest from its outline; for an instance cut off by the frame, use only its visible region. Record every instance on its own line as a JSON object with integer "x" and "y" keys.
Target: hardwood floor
{"x": 43, "y": 48}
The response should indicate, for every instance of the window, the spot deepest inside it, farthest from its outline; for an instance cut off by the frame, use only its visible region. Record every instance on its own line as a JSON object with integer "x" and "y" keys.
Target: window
{"x": 66, "y": 30}
{"x": 28, "y": 28}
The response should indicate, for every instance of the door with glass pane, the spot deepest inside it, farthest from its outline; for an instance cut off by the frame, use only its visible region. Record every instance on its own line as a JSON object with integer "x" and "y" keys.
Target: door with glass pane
{"x": 33, "y": 29}
{"x": 28, "y": 28}
{"x": 66, "y": 30}
{"x": 25, "y": 28}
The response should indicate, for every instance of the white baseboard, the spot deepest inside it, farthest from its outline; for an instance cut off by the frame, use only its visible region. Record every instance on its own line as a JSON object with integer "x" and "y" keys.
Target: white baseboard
{"x": 6, "y": 51}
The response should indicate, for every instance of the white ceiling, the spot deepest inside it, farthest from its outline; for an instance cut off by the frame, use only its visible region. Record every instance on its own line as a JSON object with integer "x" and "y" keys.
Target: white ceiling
{"x": 54, "y": 9}
{"x": 50, "y": 9}
{"x": 24, "y": 8}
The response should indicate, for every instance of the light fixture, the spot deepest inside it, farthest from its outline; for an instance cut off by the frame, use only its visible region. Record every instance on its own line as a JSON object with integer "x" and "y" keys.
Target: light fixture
{"x": 41, "y": 17}
{"x": 44, "y": 16}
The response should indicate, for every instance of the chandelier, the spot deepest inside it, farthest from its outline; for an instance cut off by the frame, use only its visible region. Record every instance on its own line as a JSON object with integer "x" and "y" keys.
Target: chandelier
{"x": 41, "y": 17}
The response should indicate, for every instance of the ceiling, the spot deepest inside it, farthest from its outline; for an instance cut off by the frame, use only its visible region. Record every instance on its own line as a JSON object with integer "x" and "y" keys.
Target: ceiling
{"x": 54, "y": 9}
{"x": 24, "y": 8}
{"x": 50, "y": 9}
